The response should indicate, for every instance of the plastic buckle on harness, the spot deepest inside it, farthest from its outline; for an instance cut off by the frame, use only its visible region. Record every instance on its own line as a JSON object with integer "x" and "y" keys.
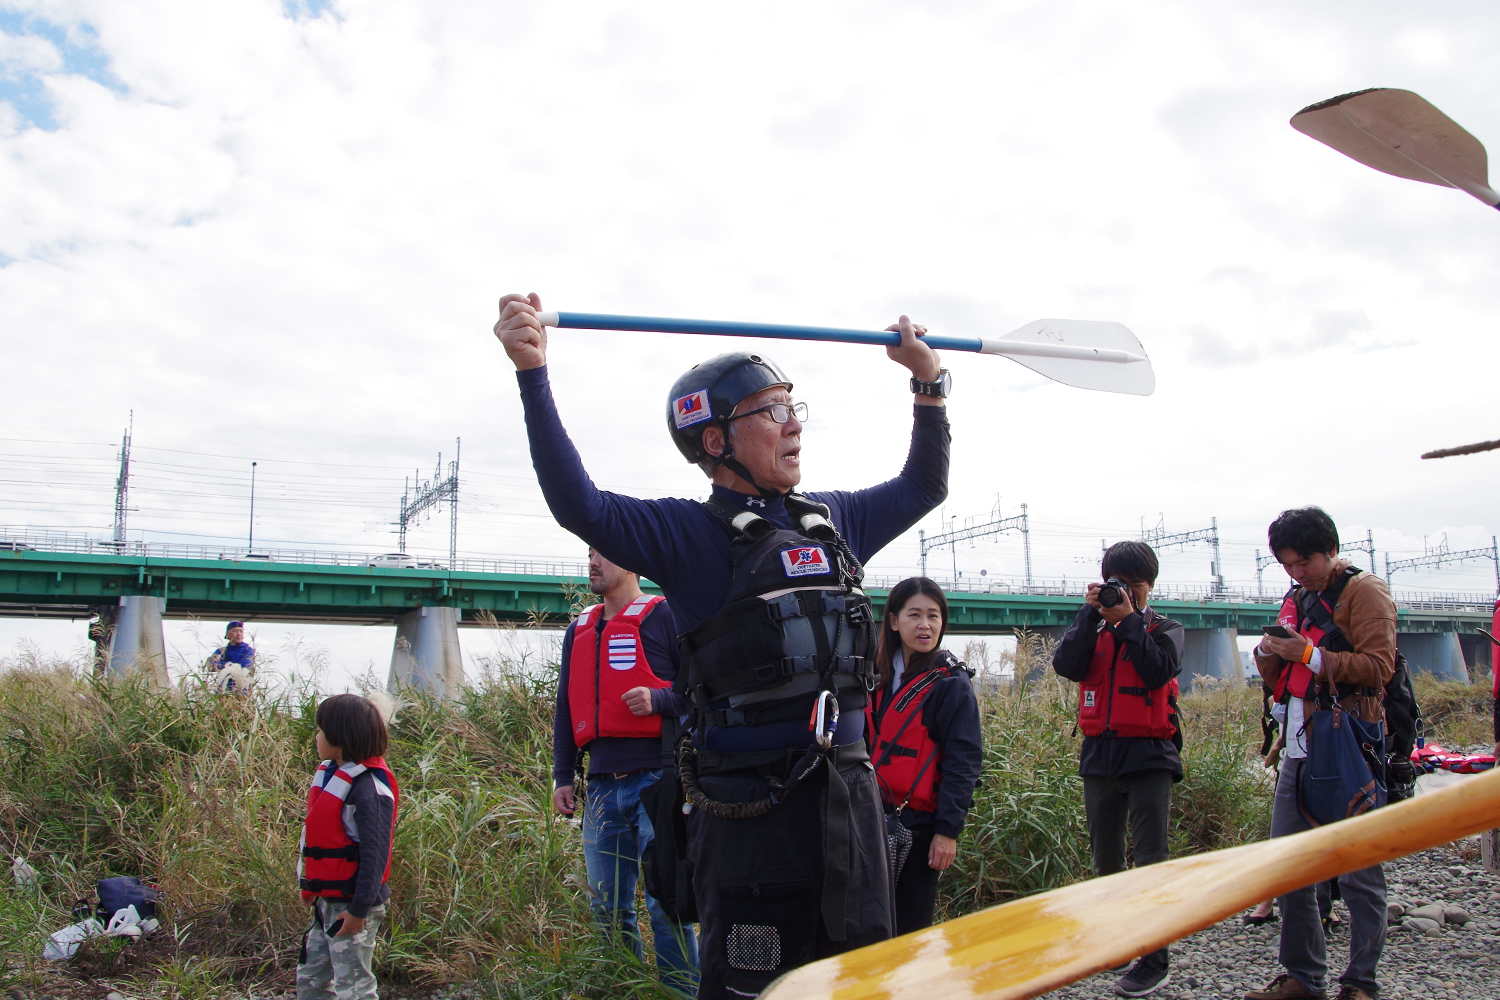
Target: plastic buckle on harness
{"x": 823, "y": 722}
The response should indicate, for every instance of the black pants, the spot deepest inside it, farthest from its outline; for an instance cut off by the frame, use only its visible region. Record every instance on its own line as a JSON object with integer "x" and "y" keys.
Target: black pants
{"x": 759, "y": 882}
{"x": 916, "y": 889}
{"x": 1143, "y": 801}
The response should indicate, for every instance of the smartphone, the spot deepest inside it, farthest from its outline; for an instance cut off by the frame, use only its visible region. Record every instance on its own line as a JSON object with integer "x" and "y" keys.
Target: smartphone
{"x": 1279, "y": 631}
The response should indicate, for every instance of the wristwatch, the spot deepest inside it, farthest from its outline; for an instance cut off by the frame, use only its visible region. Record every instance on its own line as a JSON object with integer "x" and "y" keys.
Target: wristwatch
{"x": 939, "y": 389}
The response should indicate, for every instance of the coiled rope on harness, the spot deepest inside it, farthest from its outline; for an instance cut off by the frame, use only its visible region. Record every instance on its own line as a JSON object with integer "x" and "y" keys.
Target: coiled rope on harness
{"x": 687, "y": 767}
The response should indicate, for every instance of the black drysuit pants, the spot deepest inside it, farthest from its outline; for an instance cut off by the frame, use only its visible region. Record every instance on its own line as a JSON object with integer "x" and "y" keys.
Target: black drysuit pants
{"x": 759, "y": 882}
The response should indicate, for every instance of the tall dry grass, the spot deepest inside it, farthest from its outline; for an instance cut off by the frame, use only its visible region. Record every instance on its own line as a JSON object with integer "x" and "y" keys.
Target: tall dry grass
{"x": 204, "y": 795}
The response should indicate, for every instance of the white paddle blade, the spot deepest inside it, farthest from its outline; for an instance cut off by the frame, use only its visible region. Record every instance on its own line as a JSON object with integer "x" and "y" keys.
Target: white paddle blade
{"x": 1102, "y": 356}
{"x": 1398, "y": 132}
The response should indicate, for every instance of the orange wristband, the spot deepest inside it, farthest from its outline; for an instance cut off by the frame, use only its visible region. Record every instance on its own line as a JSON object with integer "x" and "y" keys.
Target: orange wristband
{"x": 1307, "y": 652}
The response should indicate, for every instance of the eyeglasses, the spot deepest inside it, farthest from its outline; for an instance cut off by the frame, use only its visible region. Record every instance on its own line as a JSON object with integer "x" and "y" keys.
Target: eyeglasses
{"x": 779, "y": 412}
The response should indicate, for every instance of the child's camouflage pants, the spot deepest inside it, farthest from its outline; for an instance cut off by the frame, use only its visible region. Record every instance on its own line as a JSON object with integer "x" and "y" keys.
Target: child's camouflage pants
{"x": 338, "y": 968}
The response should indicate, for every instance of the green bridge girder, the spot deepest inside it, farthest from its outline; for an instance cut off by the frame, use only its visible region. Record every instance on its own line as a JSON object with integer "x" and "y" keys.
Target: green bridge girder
{"x": 67, "y": 585}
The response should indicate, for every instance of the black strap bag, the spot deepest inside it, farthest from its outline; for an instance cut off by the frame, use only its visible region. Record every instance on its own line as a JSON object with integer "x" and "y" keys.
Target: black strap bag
{"x": 664, "y": 864}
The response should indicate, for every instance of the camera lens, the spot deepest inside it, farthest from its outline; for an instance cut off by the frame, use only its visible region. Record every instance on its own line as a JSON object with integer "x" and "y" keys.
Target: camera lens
{"x": 1109, "y": 595}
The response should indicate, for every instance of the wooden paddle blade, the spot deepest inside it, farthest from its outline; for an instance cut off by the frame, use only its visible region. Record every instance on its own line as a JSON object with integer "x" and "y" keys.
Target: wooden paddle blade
{"x": 1033, "y": 945}
{"x": 1134, "y": 377}
{"x": 1398, "y": 132}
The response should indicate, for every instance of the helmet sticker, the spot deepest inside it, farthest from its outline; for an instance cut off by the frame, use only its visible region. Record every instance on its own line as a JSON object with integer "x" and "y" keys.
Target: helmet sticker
{"x": 806, "y": 560}
{"x": 691, "y": 409}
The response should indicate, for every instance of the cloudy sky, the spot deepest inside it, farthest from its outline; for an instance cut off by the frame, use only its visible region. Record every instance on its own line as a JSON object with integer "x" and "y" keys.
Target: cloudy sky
{"x": 276, "y": 232}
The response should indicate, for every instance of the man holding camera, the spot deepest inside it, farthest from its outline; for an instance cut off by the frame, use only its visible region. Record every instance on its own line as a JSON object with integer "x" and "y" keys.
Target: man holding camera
{"x": 1336, "y": 641}
{"x": 1126, "y": 658}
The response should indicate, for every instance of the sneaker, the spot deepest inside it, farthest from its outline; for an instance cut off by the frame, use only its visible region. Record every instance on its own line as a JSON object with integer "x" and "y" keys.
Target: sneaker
{"x": 1284, "y": 987}
{"x": 1140, "y": 982}
{"x": 1351, "y": 992}
{"x": 1121, "y": 967}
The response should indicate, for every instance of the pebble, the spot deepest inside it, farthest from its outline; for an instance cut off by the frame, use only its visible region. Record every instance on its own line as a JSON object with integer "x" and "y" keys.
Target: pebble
{"x": 1223, "y": 961}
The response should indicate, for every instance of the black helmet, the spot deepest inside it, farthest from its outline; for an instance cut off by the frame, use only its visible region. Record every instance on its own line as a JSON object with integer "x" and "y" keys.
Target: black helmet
{"x": 708, "y": 392}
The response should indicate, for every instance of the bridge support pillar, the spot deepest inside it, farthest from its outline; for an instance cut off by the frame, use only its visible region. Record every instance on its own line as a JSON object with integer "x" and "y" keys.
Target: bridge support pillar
{"x": 427, "y": 657}
{"x": 1435, "y": 653}
{"x": 138, "y": 643}
{"x": 1476, "y": 651}
{"x": 1209, "y": 652}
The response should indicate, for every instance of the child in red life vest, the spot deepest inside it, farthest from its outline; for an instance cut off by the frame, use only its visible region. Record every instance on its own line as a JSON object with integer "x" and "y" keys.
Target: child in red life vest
{"x": 346, "y": 851}
{"x": 1126, "y": 658}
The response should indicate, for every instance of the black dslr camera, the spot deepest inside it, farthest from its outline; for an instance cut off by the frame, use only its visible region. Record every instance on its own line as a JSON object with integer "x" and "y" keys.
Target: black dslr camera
{"x": 1113, "y": 592}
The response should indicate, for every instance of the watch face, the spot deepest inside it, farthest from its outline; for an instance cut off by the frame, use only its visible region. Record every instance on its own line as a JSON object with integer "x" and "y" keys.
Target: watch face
{"x": 945, "y": 383}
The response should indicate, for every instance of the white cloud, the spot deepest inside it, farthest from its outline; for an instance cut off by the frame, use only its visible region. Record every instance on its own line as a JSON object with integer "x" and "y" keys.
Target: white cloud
{"x": 283, "y": 237}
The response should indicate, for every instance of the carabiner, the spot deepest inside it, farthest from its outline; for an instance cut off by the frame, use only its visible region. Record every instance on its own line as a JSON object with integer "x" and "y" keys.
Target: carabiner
{"x": 824, "y": 722}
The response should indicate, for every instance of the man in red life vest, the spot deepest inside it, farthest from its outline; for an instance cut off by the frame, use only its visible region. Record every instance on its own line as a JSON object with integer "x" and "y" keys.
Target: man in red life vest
{"x": 1342, "y": 644}
{"x": 614, "y": 687}
{"x": 1126, "y": 658}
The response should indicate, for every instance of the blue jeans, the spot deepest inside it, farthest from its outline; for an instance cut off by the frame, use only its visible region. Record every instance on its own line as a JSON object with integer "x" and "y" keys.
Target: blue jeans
{"x": 616, "y": 829}
{"x": 1304, "y": 950}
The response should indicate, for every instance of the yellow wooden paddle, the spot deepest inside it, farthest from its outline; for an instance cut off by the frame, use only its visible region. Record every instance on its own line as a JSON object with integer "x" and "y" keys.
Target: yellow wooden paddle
{"x": 1032, "y": 945}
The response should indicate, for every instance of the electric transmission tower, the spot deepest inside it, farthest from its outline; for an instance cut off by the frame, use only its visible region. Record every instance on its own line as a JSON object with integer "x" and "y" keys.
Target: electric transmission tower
{"x": 994, "y": 526}
{"x": 1436, "y": 555}
{"x": 1158, "y": 538}
{"x": 1368, "y": 545}
{"x": 122, "y": 487}
{"x": 418, "y": 498}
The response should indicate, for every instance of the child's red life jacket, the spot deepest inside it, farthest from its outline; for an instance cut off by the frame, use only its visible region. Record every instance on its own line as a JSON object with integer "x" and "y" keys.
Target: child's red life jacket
{"x": 329, "y": 855}
{"x": 604, "y": 665}
{"x": 906, "y": 761}
{"x": 1113, "y": 696}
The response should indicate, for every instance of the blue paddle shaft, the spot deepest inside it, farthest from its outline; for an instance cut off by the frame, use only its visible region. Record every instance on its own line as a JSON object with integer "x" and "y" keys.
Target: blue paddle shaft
{"x": 656, "y": 324}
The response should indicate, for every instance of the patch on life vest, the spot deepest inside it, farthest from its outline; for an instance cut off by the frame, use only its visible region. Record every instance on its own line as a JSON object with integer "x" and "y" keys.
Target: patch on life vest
{"x": 808, "y": 560}
{"x": 1088, "y": 699}
{"x": 691, "y": 409}
{"x": 581, "y": 724}
{"x": 621, "y": 652}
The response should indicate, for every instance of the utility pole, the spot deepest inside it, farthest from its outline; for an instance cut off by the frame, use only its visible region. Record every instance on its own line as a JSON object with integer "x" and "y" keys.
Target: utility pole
{"x": 250, "y": 546}
{"x": 122, "y": 487}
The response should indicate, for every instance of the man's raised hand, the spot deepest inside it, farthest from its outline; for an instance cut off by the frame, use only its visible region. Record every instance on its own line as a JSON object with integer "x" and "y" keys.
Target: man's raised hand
{"x": 520, "y": 332}
{"x": 912, "y": 353}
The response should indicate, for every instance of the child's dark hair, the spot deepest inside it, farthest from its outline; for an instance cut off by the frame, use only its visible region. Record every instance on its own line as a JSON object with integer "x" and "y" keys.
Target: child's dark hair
{"x": 1132, "y": 559}
{"x": 1305, "y": 530}
{"x": 352, "y": 724}
{"x": 890, "y": 640}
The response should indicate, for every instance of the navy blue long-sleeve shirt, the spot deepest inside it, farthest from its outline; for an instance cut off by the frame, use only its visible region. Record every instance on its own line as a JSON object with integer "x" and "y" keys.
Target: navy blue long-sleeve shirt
{"x": 618, "y": 754}
{"x": 1157, "y": 657}
{"x": 686, "y": 551}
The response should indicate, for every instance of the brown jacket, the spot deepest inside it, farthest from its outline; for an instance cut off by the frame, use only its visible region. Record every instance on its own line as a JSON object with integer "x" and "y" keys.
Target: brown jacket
{"x": 1366, "y": 615}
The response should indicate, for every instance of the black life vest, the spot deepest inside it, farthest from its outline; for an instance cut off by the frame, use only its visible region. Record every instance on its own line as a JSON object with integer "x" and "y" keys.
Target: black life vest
{"x": 796, "y": 622}
{"x": 1113, "y": 698}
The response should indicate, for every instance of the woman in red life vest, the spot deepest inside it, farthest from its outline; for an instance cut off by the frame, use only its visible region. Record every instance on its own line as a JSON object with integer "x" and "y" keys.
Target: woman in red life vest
{"x": 923, "y": 730}
{"x": 1126, "y": 658}
{"x": 346, "y": 851}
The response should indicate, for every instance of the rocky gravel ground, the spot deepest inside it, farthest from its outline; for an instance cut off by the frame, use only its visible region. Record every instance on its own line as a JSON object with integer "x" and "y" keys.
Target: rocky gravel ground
{"x": 1424, "y": 959}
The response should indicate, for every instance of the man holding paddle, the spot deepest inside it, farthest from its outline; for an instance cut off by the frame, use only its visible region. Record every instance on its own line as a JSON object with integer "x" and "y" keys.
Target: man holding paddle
{"x": 786, "y": 837}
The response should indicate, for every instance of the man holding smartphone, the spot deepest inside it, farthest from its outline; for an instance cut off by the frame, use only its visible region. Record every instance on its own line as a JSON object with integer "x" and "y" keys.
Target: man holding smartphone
{"x": 1126, "y": 658}
{"x": 1339, "y": 643}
